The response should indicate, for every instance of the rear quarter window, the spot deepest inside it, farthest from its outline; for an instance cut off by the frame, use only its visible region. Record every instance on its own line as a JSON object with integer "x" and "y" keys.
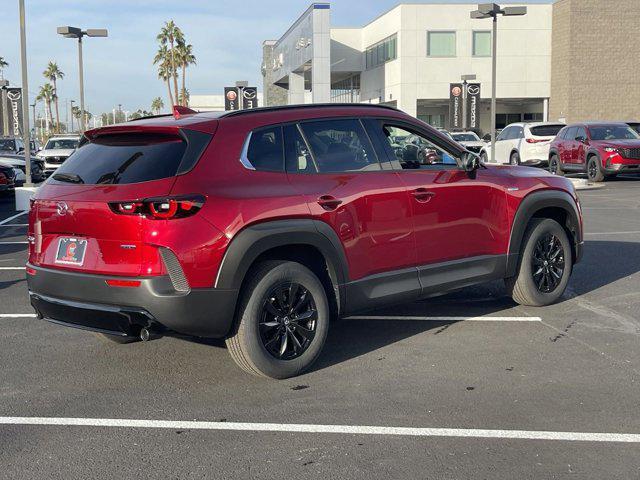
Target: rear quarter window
{"x": 546, "y": 130}
{"x": 124, "y": 158}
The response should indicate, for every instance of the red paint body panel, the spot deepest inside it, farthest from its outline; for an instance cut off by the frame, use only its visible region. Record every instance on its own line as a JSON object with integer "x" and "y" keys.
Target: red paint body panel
{"x": 380, "y": 223}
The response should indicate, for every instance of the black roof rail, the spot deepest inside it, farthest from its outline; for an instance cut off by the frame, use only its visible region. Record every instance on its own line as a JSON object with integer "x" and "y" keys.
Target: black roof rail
{"x": 233, "y": 113}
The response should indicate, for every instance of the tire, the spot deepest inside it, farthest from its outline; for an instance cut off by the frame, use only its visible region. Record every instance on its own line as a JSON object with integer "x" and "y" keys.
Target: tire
{"x": 484, "y": 158}
{"x": 514, "y": 159}
{"x": 594, "y": 172}
{"x": 526, "y": 288}
{"x": 555, "y": 167}
{"x": 117, "y": 339}
{"x": 267, "y": 291}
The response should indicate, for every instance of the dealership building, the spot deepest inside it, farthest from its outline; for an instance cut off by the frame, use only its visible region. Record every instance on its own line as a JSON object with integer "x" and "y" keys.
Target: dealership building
{"x": 569, "y": 61}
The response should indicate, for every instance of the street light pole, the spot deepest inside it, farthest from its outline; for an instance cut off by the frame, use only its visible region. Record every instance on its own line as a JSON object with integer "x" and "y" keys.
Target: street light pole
{"x": 492, "y": 10}
{"x": 75, "y": 32}
{"x": 26, "y": 134}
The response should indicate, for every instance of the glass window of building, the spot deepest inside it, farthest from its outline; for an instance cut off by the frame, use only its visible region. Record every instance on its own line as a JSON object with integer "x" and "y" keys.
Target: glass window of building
{"x": 482, "y": 44}
{"x": 382, "y": 52}
{"x": 441, "y": 44}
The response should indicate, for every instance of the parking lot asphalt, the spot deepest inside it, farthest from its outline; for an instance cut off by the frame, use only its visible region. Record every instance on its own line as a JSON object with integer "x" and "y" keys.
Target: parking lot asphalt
{"x": 570, "y": 369}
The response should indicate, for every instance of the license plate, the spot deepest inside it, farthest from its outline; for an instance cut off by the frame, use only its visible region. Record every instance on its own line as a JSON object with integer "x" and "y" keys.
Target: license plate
{"x": 71, "y": 251}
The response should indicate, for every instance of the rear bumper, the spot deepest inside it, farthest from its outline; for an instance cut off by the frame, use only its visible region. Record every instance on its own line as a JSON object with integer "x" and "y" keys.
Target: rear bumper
{"x": 86, "y": 301}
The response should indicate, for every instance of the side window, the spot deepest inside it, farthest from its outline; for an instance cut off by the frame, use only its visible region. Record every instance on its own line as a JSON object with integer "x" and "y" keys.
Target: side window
{"x": 339, "y": 146}
{"x": 581, "y": 133}
{"x": 265, "y": 151}
{"x": 516, "y": 133}
{"x": 504, "y": 134}
{"x": 571, "y": 133}
{"x": 414, "y": 151}
{"x": 299, "y": 159}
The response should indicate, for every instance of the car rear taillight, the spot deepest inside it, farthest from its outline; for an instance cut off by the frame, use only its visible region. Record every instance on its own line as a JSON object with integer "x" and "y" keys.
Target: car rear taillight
{"x": 123, "y": 283}
{"x": 537, "y": 140}
{"x": 165, "y": 208}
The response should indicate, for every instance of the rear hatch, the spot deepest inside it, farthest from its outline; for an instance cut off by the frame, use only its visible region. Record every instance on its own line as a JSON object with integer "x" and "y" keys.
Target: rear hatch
{"x": 544, "y": 134}
{"x": 75, "y": 222}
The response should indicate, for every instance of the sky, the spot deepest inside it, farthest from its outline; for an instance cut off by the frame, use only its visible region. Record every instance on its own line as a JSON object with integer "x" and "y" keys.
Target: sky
{"x": 226, "y": 36}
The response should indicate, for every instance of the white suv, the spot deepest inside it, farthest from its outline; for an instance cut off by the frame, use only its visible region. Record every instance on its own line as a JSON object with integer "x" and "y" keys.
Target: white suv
{"x": 57, "y": 150}
{"x": 524, "y": 144}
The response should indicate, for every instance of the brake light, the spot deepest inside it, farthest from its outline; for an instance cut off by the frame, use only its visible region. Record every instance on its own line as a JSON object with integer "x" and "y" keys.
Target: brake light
{"x": 161, "y": 208}
{"x": 124, "y": 283}
{"x": 537, "y": 140}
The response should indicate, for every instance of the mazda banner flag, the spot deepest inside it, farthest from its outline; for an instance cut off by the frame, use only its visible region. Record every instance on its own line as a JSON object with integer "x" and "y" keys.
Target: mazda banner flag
{"x": 455, "y": 105}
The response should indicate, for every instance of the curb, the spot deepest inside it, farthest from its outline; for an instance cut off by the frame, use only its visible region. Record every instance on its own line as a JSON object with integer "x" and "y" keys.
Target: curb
{"x": 582, "y": 184}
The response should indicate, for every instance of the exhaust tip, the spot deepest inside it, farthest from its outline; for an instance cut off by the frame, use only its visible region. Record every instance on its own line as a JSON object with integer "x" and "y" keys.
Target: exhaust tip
{"x": 147, "y": 334}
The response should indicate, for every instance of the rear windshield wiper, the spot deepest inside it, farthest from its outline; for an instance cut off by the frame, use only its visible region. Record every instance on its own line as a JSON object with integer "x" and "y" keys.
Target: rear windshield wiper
{"x": 68, "y": 177}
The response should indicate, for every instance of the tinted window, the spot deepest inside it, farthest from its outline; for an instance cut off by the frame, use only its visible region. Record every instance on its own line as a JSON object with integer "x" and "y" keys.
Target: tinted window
{"x": 414, "y": 151}
{"x": 571, "y": 133}
{"x": 61, "y": 144}
{"x": 7, "y": 144}
{"x": 516, "y": 133}
{"x": 339, "y": 146}
{"x": 581, "y": 132}
{"x": 124, "y": 158}
{"x": 299, "y": 159}
{"x": 504, "y": 134}
{"x": 546, "y": 130}
{"x": 465, "y": 137}
{"x": 612, "y": 132}
{"x": 265, "y": 151}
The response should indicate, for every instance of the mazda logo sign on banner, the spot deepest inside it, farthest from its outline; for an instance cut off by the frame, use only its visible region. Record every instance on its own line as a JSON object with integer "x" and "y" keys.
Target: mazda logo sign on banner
{"x": 455, "y": 105}
{"x": 14, "y": 111}
{"x": 249, "y": 98}
{"x": 473, "y": 105}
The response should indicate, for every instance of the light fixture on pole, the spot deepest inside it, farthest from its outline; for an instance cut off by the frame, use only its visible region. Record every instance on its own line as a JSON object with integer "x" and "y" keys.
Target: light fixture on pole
{"x": 492, "y": 10}
{"x": 75, "y": 32}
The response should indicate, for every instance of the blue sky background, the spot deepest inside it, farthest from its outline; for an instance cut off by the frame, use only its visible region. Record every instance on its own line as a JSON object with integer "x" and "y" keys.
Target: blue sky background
{"x": 226, "y": 35}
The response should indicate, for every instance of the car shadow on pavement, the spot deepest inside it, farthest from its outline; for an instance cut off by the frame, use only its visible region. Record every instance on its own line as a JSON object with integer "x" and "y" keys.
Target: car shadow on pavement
{"x": 604, "y": 263}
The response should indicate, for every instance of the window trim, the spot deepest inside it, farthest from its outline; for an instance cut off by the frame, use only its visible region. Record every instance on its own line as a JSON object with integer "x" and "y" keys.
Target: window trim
{"x": 244, "y": 154}
{"x": 455, "y": 44}
{"x": 473, "y": 43}
{"x": 371, "y": 52}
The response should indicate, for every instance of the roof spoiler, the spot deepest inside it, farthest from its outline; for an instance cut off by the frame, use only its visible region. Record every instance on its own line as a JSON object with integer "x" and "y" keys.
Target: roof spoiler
{"x": 180, "y": 111}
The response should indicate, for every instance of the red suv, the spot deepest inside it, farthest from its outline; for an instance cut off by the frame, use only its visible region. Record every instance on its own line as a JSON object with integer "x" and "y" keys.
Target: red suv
{"x": 260, "y": 226}
{"x": 602, "y": 150}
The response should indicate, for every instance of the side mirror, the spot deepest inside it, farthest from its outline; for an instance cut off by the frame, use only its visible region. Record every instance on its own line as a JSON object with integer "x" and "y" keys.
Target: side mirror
{"x": 470, "y": 163}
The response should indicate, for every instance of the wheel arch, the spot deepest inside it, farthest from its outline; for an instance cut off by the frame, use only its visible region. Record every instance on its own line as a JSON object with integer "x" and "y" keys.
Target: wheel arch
{"x": 554, "y": 204}
{"x": 310, "y": 242}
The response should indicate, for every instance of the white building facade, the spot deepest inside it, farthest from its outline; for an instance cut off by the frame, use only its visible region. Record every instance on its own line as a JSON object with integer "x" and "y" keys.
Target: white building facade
{"x": 409, "y": 56}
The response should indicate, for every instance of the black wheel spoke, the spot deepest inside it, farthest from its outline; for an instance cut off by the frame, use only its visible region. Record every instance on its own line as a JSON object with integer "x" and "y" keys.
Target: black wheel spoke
{"x": 288, "y": 321}
{"x": 547, "y": 263}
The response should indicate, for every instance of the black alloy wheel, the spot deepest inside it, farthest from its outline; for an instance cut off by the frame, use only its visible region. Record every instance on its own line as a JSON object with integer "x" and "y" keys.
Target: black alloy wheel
{"x": 592, "y": 169}
{"x": 553, "y": 165}
{"x": 548, "y": 263}
{"x": 288, "y": 321}
{"x": 514, "y": 159}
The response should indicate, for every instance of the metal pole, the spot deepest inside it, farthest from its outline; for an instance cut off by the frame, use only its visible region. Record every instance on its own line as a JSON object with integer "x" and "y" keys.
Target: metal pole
{"x": 71, "y": 102}
{"x": 494, "y": 64}
{"x": 25, "y": 97}
{"x": 83, "y": 124}
{"x": 464, "y": 105}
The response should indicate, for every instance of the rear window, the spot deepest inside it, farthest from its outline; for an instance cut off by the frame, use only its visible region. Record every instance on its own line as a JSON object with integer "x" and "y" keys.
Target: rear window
{"x": 123, "y": 158}
{"x": 546, "y": 130}
{"x": 61, "y": 144}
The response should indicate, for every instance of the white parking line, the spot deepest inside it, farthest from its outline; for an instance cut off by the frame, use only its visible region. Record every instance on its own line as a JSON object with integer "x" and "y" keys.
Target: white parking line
{"x": 12, "y": 268}
{"x": 14, "y": 243}
{"x": 7, "y": 220}
{"x": 447, "y": 319}
{"x": 17, "y": 315}
{"x": 334, "y": 429}
{"x": 633, "y": 232}
{"x": 14, "y": 225}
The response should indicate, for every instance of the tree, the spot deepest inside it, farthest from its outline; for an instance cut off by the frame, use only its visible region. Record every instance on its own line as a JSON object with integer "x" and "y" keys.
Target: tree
{"x": 157, "y": 105}
{"x": 170, "y": 35}
{"x": 183, "y": 99}
{"x": 3, "y": 64}
{"x": 53, "y": 73}
{"x": 164, "y": 69}
{"x": 46, "y": 94}
{"x": 185, "y": 58}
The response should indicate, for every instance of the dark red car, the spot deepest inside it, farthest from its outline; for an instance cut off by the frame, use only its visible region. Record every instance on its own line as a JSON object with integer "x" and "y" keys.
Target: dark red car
{"x": 602, "y": 150}
{"x": 260, "y": 226}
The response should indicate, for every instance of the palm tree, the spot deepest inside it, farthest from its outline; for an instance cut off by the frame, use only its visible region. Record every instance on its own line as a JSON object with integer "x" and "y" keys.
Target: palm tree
{"x": 53, "y": 73}
{"x": 47, "y": 93}
{"x": 157, "y": 105}
{"x": 183, "y": 98}
{"x": 170, "y": 35}
{"x": 164, "y": 69}
{"x": 185, "y": 58}
{"x": 3, "y": 64}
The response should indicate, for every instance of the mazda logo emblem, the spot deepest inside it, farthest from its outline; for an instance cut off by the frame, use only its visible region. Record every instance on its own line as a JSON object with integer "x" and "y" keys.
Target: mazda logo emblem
{"x": 473, "y": 89}
{"x": 62, "y": 208}
{"x": 14, "y": 95}
{"x": 249, "y": 94}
